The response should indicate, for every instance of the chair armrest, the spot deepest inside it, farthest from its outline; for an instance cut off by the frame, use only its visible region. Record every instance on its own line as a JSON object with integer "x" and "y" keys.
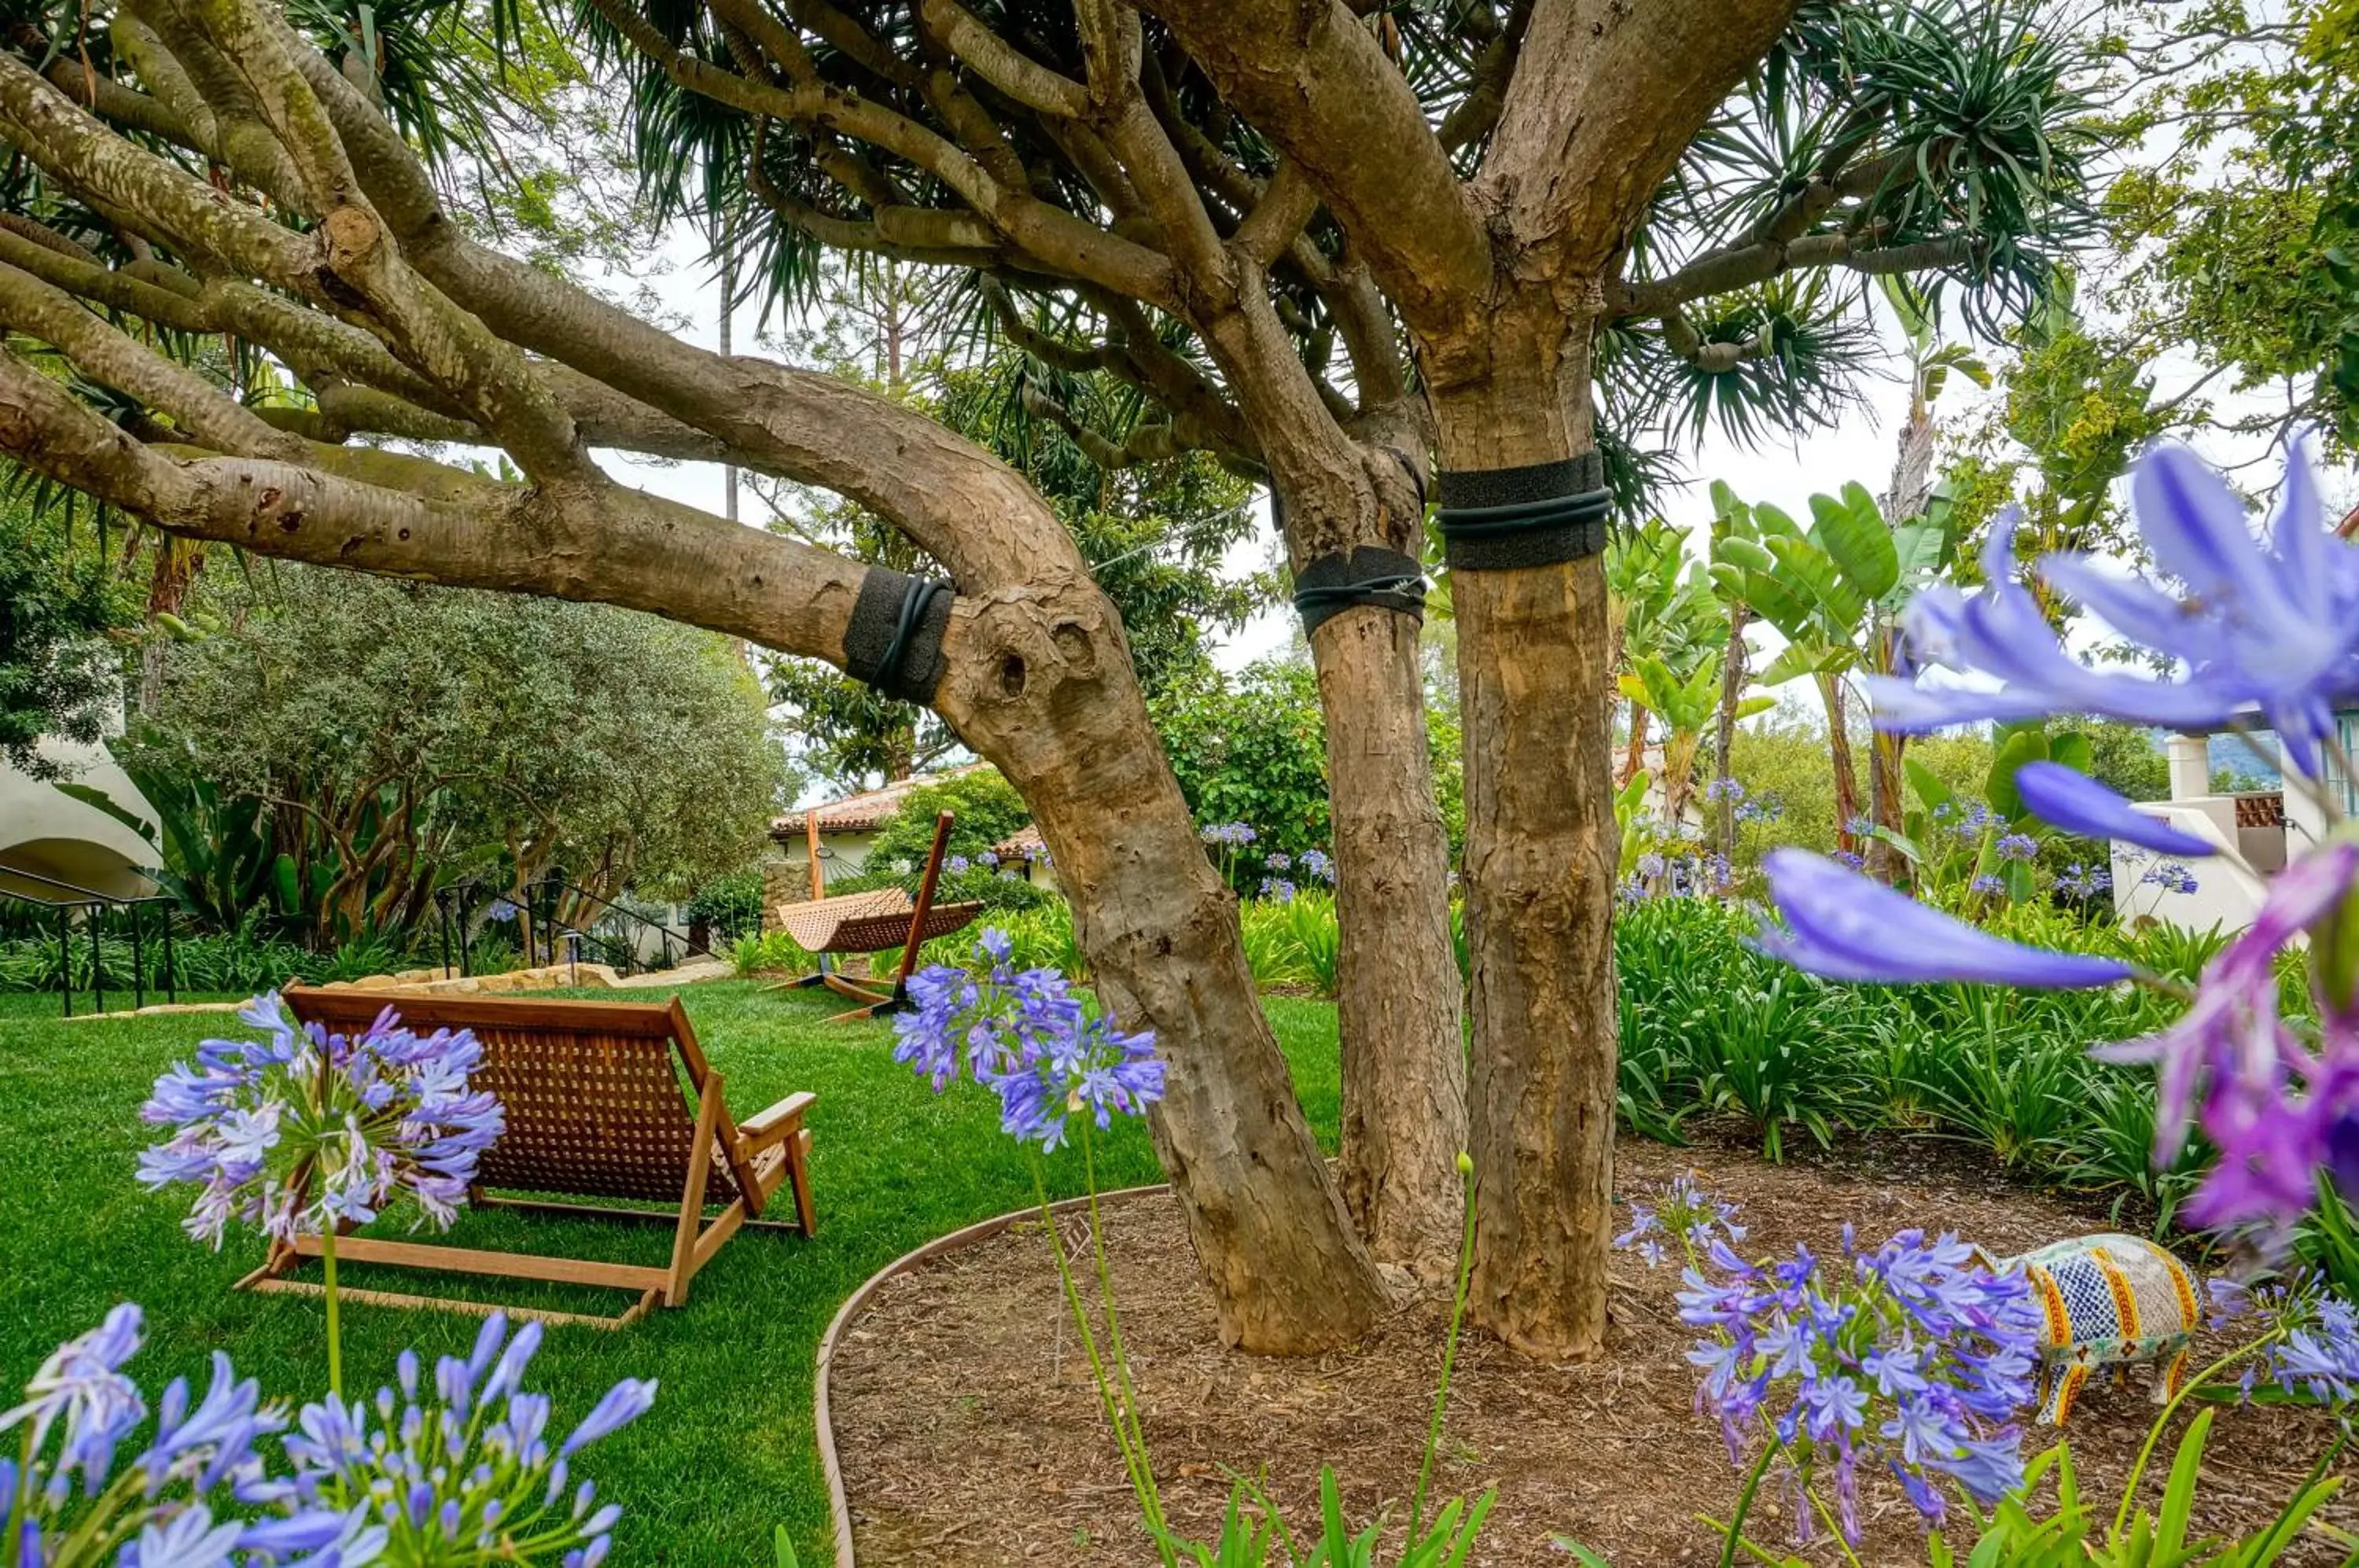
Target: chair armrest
{"x": 762, "y": 1129}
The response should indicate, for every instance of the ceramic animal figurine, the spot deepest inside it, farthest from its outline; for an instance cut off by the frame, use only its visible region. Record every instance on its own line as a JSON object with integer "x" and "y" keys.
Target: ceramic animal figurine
{"x": 2108, "y": 1300}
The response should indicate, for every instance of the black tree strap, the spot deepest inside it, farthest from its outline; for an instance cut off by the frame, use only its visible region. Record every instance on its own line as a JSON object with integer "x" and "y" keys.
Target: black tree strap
{"x": 1496, "y": 519}
{"x": 895, "y": 639}
{"x": 1367, "y": 574}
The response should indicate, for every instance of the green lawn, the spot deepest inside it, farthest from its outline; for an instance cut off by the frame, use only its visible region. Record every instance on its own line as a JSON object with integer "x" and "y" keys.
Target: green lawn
{"x": 727, "y": 1452}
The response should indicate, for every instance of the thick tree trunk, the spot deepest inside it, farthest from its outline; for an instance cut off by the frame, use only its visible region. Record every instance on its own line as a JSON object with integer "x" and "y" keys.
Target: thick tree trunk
{"x": 1404, "y": 1054}
{"x": 1732, "y": 690}
{"x": 1839, "y": 754}
{"x": 1541, "y": 849}
{"x": 1040, "y": 684}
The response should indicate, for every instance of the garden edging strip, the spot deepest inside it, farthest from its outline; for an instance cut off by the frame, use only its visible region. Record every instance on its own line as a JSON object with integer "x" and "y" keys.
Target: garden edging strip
{"x": 855, "y": 1307}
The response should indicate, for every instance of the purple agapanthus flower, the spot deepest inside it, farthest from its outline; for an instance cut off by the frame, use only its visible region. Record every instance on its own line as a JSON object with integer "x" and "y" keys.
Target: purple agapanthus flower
{"x": 2073, "y": 801}
{"x": 2018, "y": 846}
{"x": 1228, "y": 835}
{"x": 1025, "y": 1036}
{"x": 303, "y": 1129}
{"x": 1277, "y": 889}
{"x": 2306, "y": 1335}
{"x": 1845, "y": 926}
{"x": 1681, "y": 1212}
{"x": 170, "y": 1508}
{"x": 2277, "y": 1109}
{"x": 1318, "y": 866}
{"x": 1913, "y": 1362}
{"x": 2256, "y": 625}
{"x": 461, "y": 1470}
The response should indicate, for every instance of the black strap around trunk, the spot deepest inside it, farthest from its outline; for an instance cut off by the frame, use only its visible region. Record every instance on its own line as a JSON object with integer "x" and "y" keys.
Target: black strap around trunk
{"x": 895, "y": 639}
{"x": 1366, "y": 574}
{"x": 1496, "y": 519}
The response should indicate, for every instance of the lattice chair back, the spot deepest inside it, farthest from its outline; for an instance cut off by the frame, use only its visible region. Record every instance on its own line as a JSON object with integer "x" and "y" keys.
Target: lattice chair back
{"x": 596, "y": 1112}
{"x": 2107, "y": 1300}
{"x": 595, "y": 1093}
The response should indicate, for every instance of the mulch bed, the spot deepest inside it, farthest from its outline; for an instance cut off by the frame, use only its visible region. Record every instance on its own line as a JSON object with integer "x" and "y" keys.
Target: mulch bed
{"x": 970, "y": 1433}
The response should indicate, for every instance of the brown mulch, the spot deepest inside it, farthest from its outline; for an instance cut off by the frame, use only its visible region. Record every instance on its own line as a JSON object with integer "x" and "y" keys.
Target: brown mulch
{"x": 970, "y": 1433}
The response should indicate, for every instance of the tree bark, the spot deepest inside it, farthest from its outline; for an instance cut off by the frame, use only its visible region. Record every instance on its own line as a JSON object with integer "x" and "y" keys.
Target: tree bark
{"x": 1634, "y": 750}
{"x": 1041, "y": 685}
{"x": 1887, "y": 784}
{"x": 1404, "y": 1052}
{"x": 1541, "y": 857}
{"x": 1839, "y": 754}
{"x": 1732, "y": 690}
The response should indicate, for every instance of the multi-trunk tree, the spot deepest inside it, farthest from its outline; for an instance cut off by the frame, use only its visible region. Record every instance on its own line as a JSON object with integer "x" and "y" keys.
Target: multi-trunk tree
{"x": 1331, "y": 239}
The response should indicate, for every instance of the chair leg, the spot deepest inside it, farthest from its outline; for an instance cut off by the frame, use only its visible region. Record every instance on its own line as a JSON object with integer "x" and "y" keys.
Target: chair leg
{"x": 691, "y": 1201}
{"x": 798, "y": 1178}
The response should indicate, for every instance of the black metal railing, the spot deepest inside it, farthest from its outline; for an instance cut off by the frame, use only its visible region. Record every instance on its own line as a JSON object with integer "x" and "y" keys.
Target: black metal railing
{"x": 64, "y": 898}
{"x": 545, "y": 934}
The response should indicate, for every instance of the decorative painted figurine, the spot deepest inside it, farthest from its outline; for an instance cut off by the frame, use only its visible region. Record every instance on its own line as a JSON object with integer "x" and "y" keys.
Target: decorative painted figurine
{"x": 2109, "y": 1301}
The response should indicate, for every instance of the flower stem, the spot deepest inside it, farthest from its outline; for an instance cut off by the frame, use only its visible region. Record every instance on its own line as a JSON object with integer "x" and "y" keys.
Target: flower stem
{"x": 1133, "y": 1461}
{"x": 1120, "y": 1358}
{"x": 2154, "y": 1433}
{"x": 1449, "y": 1356}
{"x": 335, "y": 1333}
{"x": 1744, "y": 1503}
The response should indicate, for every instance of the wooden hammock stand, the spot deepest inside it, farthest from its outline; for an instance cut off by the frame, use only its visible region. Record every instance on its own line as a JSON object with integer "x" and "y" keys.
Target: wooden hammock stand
{"x": 871, "y": 922}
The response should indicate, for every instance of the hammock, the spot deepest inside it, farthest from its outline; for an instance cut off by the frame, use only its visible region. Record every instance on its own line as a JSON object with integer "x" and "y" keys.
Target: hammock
{"x": 872, "y": 922}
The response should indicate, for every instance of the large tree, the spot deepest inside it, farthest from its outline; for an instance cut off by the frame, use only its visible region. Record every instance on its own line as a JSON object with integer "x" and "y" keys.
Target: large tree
{"x": 240, "y": 184}
{"x": 1680, "y": 194}
{"x": 1531, "y": 195}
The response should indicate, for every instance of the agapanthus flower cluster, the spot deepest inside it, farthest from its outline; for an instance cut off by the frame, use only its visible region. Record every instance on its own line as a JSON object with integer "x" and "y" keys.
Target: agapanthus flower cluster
{"x": 1986, "y": 884}
{"x": 1318, "y": 866}
{"x": 63, "y": 1505}
{"x": 1760, "y": 808}
{"x": 1277, "y": 860}
{"x": 2264, "y": 630}
{"x": 303, "y": 1130}
{"x": 2307, "y": 1334}
{"x": 1227, "y": 836}
{"x": 2170, "y": 876}
{"x": 2018, "y": 846}
{"x": 1911, "y": 1359}
{"x": 1025, "y": 1036}
{"x": 465, "y": 1471}
{"x": 2079, "y": 881}
{"x": 1729, "y": 790}
{"x": 1686, "y": 871}
{"x": 1683, "y": 1213}
{"x": 957, "y": 865}
{"x": 1277, "y": 890}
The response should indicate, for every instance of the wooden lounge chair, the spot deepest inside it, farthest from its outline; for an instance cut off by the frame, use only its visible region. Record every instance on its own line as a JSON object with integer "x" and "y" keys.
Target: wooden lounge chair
{"x": 596, "y": 1108}
{"x": 872, "y": 922}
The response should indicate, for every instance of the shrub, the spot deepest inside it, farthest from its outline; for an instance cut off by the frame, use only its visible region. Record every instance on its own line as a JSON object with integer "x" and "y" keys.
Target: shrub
{"x": 985, "y": 810}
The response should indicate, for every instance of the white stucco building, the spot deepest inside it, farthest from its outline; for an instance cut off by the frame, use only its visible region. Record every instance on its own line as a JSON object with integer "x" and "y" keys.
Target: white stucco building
{"x": 2252, "y": 832}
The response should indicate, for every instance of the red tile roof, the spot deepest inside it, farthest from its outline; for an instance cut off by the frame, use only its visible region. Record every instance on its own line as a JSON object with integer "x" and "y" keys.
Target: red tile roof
{"x": 867, "y": 811}
{"x": 1015, "y": 845}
